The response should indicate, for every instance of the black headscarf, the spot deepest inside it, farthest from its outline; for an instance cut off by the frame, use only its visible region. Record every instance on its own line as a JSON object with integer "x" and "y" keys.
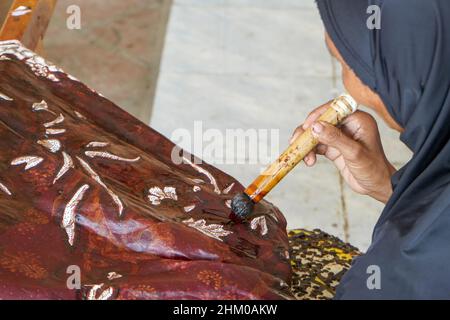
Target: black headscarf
{"x": 407, "y": 62}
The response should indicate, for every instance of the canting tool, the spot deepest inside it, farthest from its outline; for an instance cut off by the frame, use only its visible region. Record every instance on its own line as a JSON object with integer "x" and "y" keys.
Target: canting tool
{"x": 242, "y": 204}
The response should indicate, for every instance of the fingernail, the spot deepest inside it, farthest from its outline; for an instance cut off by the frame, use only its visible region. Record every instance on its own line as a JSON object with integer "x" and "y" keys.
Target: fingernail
{"x": 317, "y": 128}
{"x": 306, "y": 159}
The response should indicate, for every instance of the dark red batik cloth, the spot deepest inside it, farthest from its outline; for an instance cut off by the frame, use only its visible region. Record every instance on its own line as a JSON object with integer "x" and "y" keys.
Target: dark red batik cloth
{"x": 86, "y": 187}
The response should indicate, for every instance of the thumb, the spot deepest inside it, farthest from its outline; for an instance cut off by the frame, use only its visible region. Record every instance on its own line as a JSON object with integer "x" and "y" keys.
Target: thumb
{"x": 331, "y": 136}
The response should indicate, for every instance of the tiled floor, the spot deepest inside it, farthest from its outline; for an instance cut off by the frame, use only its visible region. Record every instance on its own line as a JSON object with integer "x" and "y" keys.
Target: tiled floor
{"x": 117, "y": 51}
{"x": 263, "y": 65}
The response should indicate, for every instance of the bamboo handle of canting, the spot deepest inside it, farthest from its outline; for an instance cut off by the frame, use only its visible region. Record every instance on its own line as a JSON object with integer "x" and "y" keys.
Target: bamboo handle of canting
{"x": 339, "y": 109}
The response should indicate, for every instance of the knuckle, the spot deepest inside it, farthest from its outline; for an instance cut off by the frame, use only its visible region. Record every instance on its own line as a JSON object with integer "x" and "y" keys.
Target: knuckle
{"x": 312, "y": 115}
{"x": 365, "y": 119}
{"x": 333, "y": 134}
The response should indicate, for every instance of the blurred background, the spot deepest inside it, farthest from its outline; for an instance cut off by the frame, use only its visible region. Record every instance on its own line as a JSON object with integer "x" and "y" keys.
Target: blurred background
{"x": 231, "y": 64}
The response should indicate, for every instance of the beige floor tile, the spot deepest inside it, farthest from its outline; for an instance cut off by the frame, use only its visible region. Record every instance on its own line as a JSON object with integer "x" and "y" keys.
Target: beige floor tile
{"x": 117, "y": 51}
{"x": 249, "y": 41}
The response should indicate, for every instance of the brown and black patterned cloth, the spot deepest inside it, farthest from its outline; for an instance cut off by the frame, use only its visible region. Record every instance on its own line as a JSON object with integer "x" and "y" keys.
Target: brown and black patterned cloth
{"x": 319, "y": 261}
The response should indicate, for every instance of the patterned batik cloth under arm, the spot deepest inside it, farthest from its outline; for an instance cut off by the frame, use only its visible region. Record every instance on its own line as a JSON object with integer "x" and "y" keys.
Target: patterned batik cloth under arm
{"x": 319, "y": 261}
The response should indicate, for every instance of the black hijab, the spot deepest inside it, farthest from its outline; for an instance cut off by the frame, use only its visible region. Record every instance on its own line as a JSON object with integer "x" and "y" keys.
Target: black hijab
{"x": 407, "y": 62}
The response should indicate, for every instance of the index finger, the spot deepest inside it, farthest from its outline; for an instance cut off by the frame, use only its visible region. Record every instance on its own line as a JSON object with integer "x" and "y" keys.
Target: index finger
{"x": 315, "y": 114}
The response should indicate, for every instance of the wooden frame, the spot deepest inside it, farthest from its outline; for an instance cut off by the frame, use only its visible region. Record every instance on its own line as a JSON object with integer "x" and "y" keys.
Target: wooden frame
{"x": 27, "y": 21}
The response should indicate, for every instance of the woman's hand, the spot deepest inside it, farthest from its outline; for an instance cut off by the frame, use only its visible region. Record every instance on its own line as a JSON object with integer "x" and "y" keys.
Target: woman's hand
{"x": 356, "y": 150}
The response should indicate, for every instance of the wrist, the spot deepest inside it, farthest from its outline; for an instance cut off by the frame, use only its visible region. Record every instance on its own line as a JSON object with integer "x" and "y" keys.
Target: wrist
{"x": 384, "y": 192}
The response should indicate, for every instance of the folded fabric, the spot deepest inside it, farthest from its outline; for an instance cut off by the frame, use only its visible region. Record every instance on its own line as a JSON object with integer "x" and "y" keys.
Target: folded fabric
{"x": 96, "y": 205}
